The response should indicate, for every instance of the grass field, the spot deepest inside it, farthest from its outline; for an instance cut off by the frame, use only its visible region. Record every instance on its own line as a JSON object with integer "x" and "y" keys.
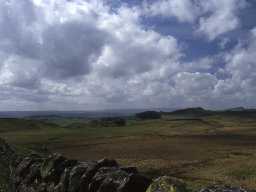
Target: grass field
{"x": 201, "y": 149}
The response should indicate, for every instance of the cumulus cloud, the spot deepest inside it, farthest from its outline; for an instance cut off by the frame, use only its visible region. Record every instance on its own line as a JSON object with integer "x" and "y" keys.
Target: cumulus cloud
{"x": 56, "y": 34}
{"x": 242, "y": 66}
{"x": 195, "y": 87}
{"x": 59, "y": 54}
{"x": 212, "y": 18}
{"x": 223, "y": 17}
{"x": 183, "y": 10}
{"x": 69, "y": 48}
{"x": 78, "y": 48}
{"x": 20, "y": 72}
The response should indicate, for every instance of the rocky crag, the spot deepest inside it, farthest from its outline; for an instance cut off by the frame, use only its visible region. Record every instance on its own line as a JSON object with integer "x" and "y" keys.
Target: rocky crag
{"x": 55, "y": 173}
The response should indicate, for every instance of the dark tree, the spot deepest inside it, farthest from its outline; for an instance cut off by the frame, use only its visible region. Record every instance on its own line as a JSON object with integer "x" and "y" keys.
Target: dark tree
{"x": 109, "y": 122}
{"x": 149, "y": 115}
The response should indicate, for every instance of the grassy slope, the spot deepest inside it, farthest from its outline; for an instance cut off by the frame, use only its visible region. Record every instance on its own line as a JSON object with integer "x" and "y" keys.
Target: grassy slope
{"x": 219, "y": 147}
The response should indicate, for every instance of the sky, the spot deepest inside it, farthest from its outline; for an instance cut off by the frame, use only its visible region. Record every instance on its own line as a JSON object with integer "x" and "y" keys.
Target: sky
{"x": 119, "y": 54}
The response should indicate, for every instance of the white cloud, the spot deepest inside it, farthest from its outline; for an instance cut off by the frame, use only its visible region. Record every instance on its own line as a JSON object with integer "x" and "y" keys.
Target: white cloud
{"x": 183, "y": 10}
{"x": 241, "y": 64}
{"x": 84, "y": 55}
{"x": 82, "y": 50}
{"x": 20, "y": 75}
{"x": 223, "y": 17}
{"x": 212, "y": 18}
{"x": 239, "y": 86}
{"x": 195, "y": 84}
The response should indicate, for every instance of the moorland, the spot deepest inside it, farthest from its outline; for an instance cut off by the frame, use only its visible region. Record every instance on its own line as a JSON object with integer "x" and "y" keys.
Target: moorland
{"x": 199, "y": 146}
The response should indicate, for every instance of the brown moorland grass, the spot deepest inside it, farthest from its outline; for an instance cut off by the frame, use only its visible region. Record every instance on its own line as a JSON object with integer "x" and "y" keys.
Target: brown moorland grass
{"x": 201, "y": 150}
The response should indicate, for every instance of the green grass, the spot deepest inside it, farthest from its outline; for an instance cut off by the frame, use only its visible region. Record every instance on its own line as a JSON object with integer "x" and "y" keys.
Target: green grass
{"x": 243, "y": 173}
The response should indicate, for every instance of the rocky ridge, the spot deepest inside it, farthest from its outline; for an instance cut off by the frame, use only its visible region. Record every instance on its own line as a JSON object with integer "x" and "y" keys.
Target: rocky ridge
{"x": 56, "y": 173}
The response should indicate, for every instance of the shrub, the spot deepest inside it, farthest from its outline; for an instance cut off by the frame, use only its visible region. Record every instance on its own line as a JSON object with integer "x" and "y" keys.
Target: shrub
{"x": 149, "y": 115}
{"x": 109, "y": 121}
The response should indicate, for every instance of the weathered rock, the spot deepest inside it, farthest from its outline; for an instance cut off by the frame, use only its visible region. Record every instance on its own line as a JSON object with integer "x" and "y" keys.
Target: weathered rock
{"x": 135, "y": 183}
{"x": 42, "y": 187}
{"x": 53, "y": 167}
{"x": 75, "y": 178}
{"x": 133, "y": 170}
{"x": 6, "y": 152}
{"x": 107, "y": 163}
{"x": 222, "y": 189}
{"x": 26, "y": 171}
{"x": 23, "y": 167}
{"x": 107, "y": 176}
{"x": 115, "y": 179}
{"x": 108, "y": 186}
{"x": 33, "y": 175}
{"x": 64, "y": 181}
{"x": 93, "y": 169}
{"x": 58, "y": 174}
{"x": 167, "y": 184}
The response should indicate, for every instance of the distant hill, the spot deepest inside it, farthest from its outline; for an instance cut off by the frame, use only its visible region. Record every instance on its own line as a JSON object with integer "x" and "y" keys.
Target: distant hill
{"x": 237, "y": 109}
{"x": 240, "y": 109}
{"x": 197, "y": 111}
{"x": 191, "y": 110}
{"x": 13, "y": 124}
{"x": 65, "y": 114}
{"x": 41, "y": 115}
{"x": 200, "y": 112}
{"x": 77, "y": 114}
{"x": 149, "y": 115}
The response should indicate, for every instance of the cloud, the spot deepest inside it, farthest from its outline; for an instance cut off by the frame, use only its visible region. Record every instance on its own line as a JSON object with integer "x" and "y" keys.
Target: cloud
{"x": 79, "y": 49}
{"x": 128, "y": 58}
{"x": 13, "y": 73}
{"x": 242, "y": 66}
{"x": 88, "y": 55}
{"x": 212, "y": 18}
{"x": 69, "y": 48}
{"x": 61, "y": 39}
{"x": 183, "y": 10}
{"x": 196, "y": 87}
{"x": 223, "y": 17}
